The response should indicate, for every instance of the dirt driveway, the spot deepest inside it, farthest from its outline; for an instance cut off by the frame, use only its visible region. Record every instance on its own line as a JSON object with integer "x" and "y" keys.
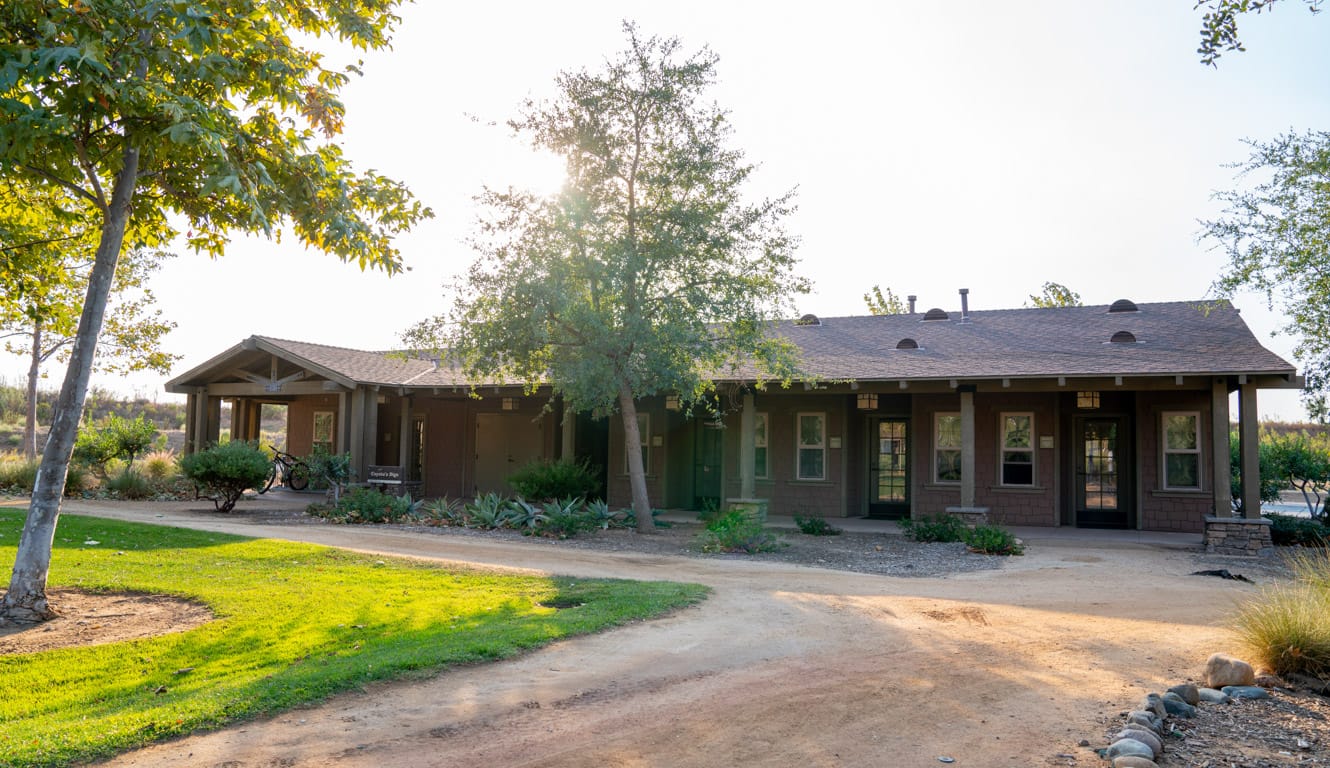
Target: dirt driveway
{"x": 783, "y": 666}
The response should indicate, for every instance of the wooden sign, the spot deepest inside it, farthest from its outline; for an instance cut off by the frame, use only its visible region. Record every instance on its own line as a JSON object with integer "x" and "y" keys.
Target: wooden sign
{"x": 385, "y": 474}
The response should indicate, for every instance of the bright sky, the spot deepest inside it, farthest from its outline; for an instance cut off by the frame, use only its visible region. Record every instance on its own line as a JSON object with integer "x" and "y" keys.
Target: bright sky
{"x": 988, "y": 145}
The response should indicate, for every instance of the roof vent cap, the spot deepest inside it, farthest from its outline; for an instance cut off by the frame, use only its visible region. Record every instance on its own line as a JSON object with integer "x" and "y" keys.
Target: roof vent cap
{"x": 1123, "y": 337}
{"x": 1123, "y": 305}
{"x": 935, "y": 314}
{"x": 907, "y": 344}
{"x": 808, "y": 320}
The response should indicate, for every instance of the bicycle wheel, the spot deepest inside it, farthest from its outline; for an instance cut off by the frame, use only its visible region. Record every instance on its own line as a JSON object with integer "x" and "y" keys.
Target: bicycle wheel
{"x": 297, "y": 477}
{"x": 272, "y": 478}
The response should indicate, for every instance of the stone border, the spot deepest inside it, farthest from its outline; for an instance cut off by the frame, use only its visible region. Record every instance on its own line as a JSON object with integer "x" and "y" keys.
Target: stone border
{"x": 1238, "y": 537}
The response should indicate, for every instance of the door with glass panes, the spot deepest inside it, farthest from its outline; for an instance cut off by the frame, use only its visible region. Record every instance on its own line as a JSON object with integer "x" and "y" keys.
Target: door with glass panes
{"x": 889, "y": 467}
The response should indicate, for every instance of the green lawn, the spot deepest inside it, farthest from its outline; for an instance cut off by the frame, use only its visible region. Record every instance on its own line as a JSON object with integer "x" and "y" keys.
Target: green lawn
{"x": 295, "y": 623}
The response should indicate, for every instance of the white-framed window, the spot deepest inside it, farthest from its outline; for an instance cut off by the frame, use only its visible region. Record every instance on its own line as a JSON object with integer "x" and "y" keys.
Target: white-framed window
{"x": 1017, "y": 449}
{"x": 811, "y": 461}
{"x": 1181, "y": 440}
{"x": 323, "y": 430}
{"x": 946, "y": 447}
{"x": 761, "y": 467}
{"x": 644, "y": 435}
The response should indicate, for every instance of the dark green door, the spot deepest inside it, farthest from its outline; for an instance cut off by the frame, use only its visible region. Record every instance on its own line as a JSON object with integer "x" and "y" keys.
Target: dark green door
{"x": 889, "y": 468}
{"x": 706, "y": 464}
{"x": 1102, "y": 473}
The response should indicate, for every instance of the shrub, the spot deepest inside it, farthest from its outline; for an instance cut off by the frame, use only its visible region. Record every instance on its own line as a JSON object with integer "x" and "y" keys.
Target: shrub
{"x": 116, "y": 438}
{"x": 224, "y": 472}
{"x": 816, "y": 526}
{"x": 548, "y": 481}
{"x": 160, "y": 465}
{"x": 735, "y": 531}
{"x": 1285, "y": 627}
{"x": 993, "y": 540}
{"x": 710, "y": 510}
{"x": 1290, "y": 531}
{"x": 329, "y": 470}
{"x": 370, "y": 505}
{"x": 129, "y": 484}
{"x": 17, "y": 474}
{"x": 77, "y": 479}
{"x": 940, "y": 528}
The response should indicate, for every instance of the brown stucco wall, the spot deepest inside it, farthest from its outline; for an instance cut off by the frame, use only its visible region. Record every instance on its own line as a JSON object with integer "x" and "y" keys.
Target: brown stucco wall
{"x": 619, "y": 489}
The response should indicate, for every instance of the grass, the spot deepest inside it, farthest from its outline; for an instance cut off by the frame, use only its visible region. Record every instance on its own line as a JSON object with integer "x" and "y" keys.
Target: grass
{"x": 1287, "y": 629}
{"x": 294, "y": 624}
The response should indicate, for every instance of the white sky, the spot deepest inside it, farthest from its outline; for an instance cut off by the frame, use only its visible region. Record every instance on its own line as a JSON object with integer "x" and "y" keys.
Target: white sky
{"x": 979, "y": 144}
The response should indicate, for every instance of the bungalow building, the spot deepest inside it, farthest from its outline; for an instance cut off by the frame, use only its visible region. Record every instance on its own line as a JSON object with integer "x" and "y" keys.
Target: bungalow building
{"x": 1101, "y": 416}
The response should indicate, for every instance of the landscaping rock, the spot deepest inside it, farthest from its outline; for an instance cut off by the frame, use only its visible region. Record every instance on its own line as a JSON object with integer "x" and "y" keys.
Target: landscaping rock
{"x": 1188, "y": 692}
{"x": 1178, "y": 708}
{"x": 1145, "y": 719}
{"x": 1129, "y": 747}
{"x": 1211, "y": 696}
{"x": 1222, "y": 669}
{"x": 1133, "y": 761}
{"x": 1154, "y": 703}
{"x": 1246, "y": 692}
{"x": 1145, "y": 737}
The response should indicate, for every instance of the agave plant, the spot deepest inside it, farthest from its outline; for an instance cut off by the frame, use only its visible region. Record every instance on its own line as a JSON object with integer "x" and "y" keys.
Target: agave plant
{"x": 488, "y": 511}
{"x": 443, "y": 511}
{"x": 523, "y": 515}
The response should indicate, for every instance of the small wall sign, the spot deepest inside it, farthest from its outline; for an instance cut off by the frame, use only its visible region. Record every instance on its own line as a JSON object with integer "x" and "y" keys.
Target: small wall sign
{"x": 384, "y": 474}
{"x": 1045, "y": 441}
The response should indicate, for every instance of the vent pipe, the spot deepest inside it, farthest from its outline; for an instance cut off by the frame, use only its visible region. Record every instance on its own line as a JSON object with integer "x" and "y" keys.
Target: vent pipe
{"x": 911, "y": 299}
{"x": 965, "y": 305}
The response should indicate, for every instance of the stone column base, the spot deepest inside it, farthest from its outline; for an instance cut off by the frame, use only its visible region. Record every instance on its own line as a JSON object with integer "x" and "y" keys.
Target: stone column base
{"x": 1238, "y": 537}
{"x": 754, "y": 508}
{"x": 971, "y": 515}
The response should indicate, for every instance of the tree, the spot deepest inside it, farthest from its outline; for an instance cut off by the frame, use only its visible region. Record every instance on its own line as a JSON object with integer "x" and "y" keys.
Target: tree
{"x": 1305, "y": 465}
{"x": 884, "y": 304}
{"x": 212, "y": 112}
{"x": 1054, "y": 295}
{"x": 647, "y": 272}
{"x": 1275, "y": 236}
{"x": 1272, "y": 474}
{"x": 1219, "y": 25}
{"x": 41, "y": 323}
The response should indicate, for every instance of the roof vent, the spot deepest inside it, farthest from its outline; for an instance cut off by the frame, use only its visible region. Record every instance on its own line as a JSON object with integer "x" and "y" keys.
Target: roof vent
{"x": 1123, "y": 337}
{"x": 808, "y": 320}
{"x": 907, "y": 344}
{"x": 1123, "y": 305}
{"x": 935, "y": 314}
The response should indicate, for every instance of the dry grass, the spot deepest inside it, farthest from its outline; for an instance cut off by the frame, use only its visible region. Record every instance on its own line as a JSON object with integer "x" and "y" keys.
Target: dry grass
{"x": 1287, "y": 629}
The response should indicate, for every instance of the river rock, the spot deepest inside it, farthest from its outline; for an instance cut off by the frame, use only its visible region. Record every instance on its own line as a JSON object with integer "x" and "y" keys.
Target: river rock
{"x": 1125, "y": 747}
{"x": 1222, "y": 669}
{"x": 1145, "y": 737}
{"x": 1188, "y": 693}
{"x": 1179, "y": 708}
{"x": 1246, "y": 692}
{"x": 1133, "y": 761}
{"x": 1211, "y": 696}
{"x": 1154, "y": 703}
{"x": 1146, "y": 720}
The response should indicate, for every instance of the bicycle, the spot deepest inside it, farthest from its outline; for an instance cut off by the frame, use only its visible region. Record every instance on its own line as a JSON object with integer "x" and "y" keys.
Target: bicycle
{"x": 291, "y": 470}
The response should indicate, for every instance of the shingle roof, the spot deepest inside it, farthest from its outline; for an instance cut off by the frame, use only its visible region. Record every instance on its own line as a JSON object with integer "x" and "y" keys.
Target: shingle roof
{"x": 1171, "y": 338}
{"x": 1174, "y": 338}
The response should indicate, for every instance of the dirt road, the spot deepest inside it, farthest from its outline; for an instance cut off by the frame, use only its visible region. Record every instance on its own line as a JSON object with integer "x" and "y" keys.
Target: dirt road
{"x": 783, "y": 666}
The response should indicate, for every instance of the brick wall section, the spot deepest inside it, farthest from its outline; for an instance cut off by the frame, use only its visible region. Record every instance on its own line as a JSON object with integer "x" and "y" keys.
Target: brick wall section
{"x": 1171, "y": 510}
{"x": 1007, "y": 505}
{"x": 1238, "y": 537}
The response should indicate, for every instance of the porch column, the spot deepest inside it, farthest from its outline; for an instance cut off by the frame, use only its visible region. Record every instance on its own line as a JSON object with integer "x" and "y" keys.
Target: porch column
{"x": 191, "y": 423}
{"x": 371, "y": 435}
{"x": 1223, "y": 493}
{"x": 568, "y": 436}
{"x": 356, "y": 434}
{"x": 967, "y": 445}
{"x": 1249, "y": 450}
{"x": 343, "y": 425}
{"x": 213, "y": 419}
{"x": 404, "y": 439}
{"x": 747, "y": 451}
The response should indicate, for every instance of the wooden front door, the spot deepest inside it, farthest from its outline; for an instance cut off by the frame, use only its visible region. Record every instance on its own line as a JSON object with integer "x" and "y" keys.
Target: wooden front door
{"x": 1102, "y": 472}
{"x": 707, "y": 452}
{"x": 504, "y": 443}
{"x": 889, "y": 468}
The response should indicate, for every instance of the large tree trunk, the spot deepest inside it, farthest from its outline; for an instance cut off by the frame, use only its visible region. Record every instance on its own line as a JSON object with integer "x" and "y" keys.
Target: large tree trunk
{"x": 637, "y": 476}
{"x": 34, "y": 371}
{"x": 25, "y": 602}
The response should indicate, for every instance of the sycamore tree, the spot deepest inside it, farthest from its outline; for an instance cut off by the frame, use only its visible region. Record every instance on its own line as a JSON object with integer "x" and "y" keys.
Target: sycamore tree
{"x": 212, "y": 115}
{"x": 1219, "y": 24}
{"x": 648, "y": 272}
{"x": 40, "y": 320}
{"x": 884, "y": 302}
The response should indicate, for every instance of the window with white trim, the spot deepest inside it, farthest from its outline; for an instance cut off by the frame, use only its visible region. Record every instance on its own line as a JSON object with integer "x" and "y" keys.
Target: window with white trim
{"x": 1182, "y": 449}
{"x": 946, "y": 447}
{"x": 811, "y": 462}
{"x": 644, "y": 435}
{"x": 1017, "y": 449}
{"x": 760, "y": 465}
{"x": 323, "y": 430}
